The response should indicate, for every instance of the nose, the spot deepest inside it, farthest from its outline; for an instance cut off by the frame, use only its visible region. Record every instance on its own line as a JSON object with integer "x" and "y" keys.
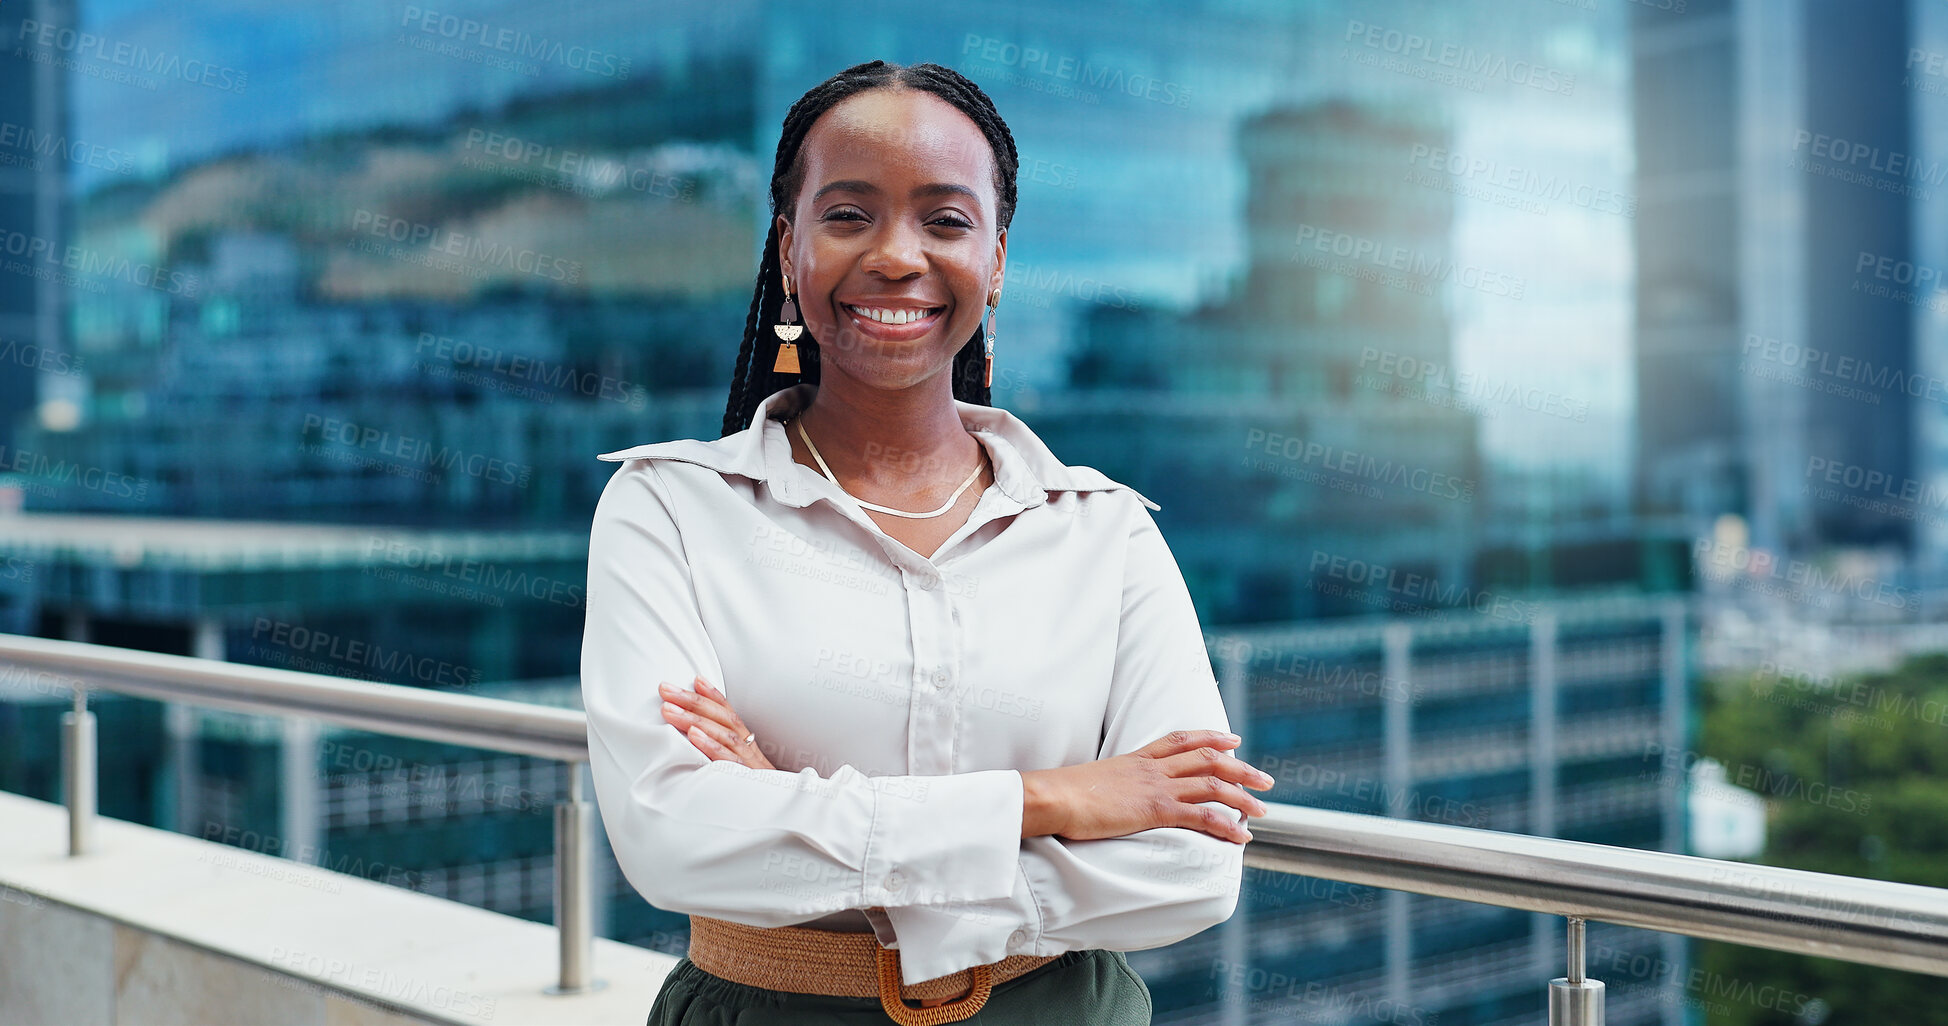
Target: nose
{"x": 896, "y": 252}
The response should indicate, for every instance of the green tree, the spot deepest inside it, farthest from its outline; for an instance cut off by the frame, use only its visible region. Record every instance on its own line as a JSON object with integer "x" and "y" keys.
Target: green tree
{"x": 1855, "y": 774}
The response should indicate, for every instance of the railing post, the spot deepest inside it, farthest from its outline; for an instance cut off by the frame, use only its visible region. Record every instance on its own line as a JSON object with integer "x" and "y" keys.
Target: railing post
{"x": 78, "y": 768}
{"x": 1573, "y": 1000}
{"x": 572, "y": 906}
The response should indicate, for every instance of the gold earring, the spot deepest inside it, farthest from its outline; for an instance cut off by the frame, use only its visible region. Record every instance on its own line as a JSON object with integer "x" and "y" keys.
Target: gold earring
{"x": 787, "y": 362}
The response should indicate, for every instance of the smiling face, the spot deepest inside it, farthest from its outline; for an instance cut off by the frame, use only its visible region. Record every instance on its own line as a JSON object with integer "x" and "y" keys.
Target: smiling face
{"x": 893, "y": 245}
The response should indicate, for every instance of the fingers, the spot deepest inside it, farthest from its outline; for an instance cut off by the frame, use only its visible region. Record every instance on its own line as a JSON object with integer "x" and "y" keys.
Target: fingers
{"x": 710, "y": 746}
{"x": 705, "y": 701}
{"x": 1185, "y": 740}
{"x": 705, "y": 713}
{"x": 1211, "y": 762}
{"x": 1184, "y": 811}
{"x": 705, "y": 705}
{"x": 713, "y": 740}
{"x": 1211, "y": 789}
{"x": 1208, "y": 775}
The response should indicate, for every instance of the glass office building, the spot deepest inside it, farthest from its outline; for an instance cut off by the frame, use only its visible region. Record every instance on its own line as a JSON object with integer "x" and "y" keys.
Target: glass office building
{"x": 324, "y": 435}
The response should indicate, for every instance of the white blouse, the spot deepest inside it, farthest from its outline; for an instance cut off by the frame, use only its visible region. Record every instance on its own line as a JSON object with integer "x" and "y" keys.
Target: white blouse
{"x": 899, "y": 696}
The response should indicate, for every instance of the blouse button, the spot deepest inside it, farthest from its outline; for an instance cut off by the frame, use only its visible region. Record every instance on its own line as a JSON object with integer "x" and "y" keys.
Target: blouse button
{"x": 1017, "y": 938}
{"x": 927, "y": 581}
{"x": 940, "y": 677}
{"x": 894, "y": 881}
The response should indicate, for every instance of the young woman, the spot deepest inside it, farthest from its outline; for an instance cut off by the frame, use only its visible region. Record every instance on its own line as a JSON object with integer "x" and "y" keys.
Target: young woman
{"x": 911, "y": 718}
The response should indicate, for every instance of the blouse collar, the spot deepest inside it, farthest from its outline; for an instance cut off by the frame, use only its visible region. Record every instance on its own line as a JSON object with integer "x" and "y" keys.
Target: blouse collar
{"x": 1024, "y": 468}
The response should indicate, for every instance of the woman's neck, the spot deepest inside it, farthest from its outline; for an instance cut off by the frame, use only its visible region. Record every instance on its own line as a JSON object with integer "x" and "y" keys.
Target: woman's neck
{"x": 896, "y": 438}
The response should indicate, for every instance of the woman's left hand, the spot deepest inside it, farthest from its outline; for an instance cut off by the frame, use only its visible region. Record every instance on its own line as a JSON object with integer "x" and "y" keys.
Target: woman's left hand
{"x": 705, "y": 717}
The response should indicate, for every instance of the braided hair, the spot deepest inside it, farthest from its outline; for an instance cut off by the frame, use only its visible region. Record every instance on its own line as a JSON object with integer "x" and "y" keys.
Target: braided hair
{"x": 753, "y": 380}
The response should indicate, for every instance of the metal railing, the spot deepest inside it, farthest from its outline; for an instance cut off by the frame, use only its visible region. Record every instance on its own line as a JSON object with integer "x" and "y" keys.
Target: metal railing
{"x": 516, "y": 728}
{"x": 1874, "y": 922}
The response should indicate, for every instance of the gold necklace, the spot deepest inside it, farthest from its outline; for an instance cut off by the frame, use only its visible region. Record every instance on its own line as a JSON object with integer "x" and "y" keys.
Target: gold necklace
{"x": 827, "y": 471}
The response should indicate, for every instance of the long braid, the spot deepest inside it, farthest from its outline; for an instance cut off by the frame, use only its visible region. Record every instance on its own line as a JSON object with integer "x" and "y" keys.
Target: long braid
{"x": 736, "y": 403}
{"x": 754, "y": 380}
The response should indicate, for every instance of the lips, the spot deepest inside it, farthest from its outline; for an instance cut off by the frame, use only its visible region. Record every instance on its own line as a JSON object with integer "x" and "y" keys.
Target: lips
{"x": 892, "y": 332}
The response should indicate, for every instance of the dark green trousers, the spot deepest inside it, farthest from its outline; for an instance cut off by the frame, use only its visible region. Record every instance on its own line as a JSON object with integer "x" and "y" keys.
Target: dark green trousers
{"x": 1080, "y": 988}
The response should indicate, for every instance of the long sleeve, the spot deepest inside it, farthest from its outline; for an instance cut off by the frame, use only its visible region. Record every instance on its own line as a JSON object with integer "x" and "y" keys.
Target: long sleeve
{"x": 1142, "y": 890}
{"x": 715, "y": 838}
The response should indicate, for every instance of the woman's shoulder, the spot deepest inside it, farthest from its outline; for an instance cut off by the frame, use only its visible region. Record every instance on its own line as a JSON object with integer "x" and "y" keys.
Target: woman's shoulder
{"x": 663, "y": 472}
{"x": 689, "y": 450}
{"x": 735, "y": 453}
{"x": 1089, "y": 479}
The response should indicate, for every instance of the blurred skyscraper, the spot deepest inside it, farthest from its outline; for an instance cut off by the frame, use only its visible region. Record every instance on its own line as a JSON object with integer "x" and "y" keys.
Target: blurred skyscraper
{"x": 35, "y": 150}
{"x": 1313, "y": 401}
{"x": 1776, "y": 369}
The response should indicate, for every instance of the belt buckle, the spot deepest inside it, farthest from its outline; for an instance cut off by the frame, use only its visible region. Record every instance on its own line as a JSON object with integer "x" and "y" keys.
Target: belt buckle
{"x": 953, "y": 1011}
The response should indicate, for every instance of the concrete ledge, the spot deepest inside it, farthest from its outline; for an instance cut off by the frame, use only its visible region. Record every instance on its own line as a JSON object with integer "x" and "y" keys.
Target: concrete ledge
{"x": 157, "y": 927}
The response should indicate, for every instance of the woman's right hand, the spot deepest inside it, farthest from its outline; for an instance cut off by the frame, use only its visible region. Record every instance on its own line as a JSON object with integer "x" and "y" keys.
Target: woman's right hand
{"x": 1158, "y": 785}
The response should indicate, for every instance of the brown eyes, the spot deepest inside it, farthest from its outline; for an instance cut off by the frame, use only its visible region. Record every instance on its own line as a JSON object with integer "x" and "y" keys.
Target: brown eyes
{"x": 945, "y": 221}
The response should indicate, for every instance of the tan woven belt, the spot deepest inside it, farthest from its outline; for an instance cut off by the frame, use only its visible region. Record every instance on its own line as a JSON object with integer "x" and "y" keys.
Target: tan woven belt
{"x": 839, "y": 963}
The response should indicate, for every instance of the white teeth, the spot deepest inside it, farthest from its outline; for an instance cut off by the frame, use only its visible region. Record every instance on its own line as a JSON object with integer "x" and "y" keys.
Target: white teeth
{"x": 884, "y": 316}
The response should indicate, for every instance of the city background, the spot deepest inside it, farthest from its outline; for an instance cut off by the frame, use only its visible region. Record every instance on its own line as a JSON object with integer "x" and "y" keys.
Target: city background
{"x": 1546, "y": 400}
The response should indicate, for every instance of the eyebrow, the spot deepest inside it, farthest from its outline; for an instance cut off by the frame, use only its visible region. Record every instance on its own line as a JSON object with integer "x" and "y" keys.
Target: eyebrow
{"x": 864, "y": 187}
